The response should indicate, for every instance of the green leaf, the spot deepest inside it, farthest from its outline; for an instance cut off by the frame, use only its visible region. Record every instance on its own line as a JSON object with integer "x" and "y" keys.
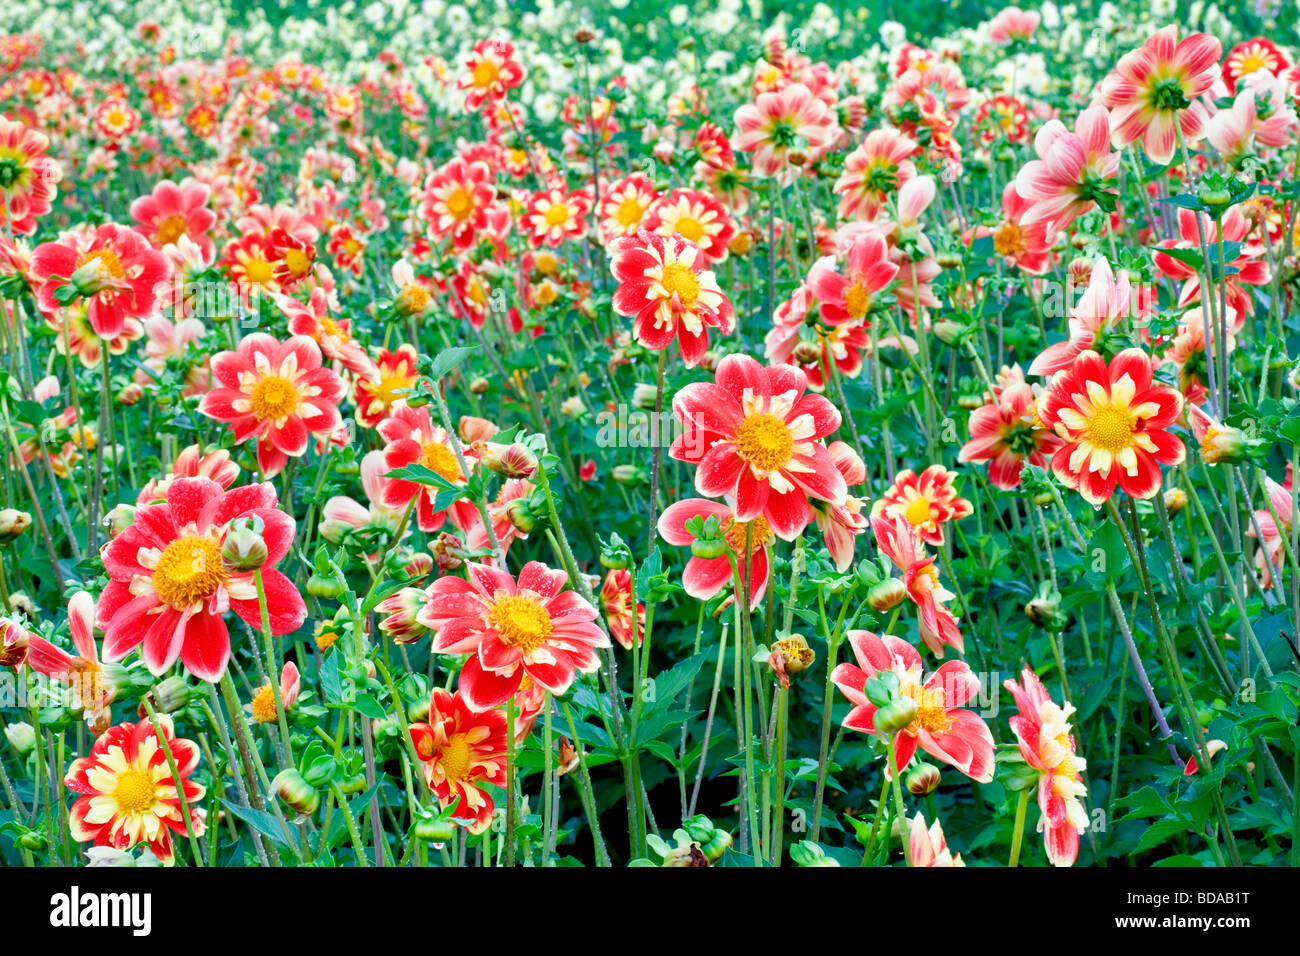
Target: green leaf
{"x": 448, "y": 359}
{"x": 261, "y": 821}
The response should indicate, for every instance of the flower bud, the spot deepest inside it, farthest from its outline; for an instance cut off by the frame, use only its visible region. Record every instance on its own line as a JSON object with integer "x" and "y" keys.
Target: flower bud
{"x": 716, "y": 846}
{"x": 14, "y": 641}
{"x": 896, "y": 715}
{"x": 295, "y": 792}
{"x": 628, "y": 474}
{"x": 171, "y": 694}
{"x": 244, "y": 548}
{"x": 644, "y": 396}
{"x": 1016, "y": 774}
{"x": 432, "y": 829}
{"x": 417, "y": 565}
{"x": 709, "y": 548}
{"x": 886, "y": 595}
{"x": 1223, "y": 444}
{"x": 924, "y": 779}
{"x": 479, "y": 385}
{"x": 520, "y": 515}
{"x": 119, "y": 519}
{"x": 130, "y": 393}
{"x": 400, "y": 612}
{"x": 807, "y": 353}
{"x": 97, "y": 274}
{"x": 509, "y": 461}
{"x": 1175, "y": 500}
{"x": 21, "y": 736}
{"x": 327, "y": 585}
{"x": 13, "y": 523}
{"x": 448, "y": 552}
{"x": 473, "y": 429}
{"x": 573, "y": 407}
{"x": 686, "y": 856}
{"x": 1045, "y": 609}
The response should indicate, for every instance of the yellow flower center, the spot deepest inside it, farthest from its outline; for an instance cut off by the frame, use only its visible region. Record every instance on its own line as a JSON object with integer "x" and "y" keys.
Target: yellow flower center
{"x": 764, "y": 441}
{"x": 134, "y": 791}
{"x": 297, "y": 261}
{"x": 438, "y": 457}
{"x": 485, "y": 74}
{"x": 918, "y": 511}
{"x": 1110, "y": 428}
{"x": 758, "y": 537}
{"x": 1251, "y": 62}
{"x": 1007, "y": 240}
{"x": 460, "y": 204}
{"x": 171, "y": 229}
{"x": 931, "y": 714}
{"x": 259, "y": 271}
{"x": 557, "y": 215}
{"x": 415, "y": 298}
{"x": 454, "y": 758}
{"x": 264, "y": 711}
{"x": 274, "y": 398}
{"x": 857, "y": 300}
{"x": 681, "y": 281}
{"x": 629, "y": 212}
{"x": 521, "y": 622}
{"x": 189, "y": 571}
{"x": 108, "y": 264}
{"x": 690, "y": 229}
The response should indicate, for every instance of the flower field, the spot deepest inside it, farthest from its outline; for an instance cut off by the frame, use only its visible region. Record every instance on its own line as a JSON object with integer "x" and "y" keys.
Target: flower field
{"x": 629, "y": 435}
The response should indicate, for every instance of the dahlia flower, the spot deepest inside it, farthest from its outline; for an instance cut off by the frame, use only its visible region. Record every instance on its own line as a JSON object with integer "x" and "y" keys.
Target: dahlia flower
{"x": 666, "y": 291}
{"x": 128, "y": 792}
{"x": 169, "y": 588}
{"x": 1042, "y": 732}
{"x": 704, "y": 577}
{"x": 172, "y": 211}
{"x": 756, "y": 437}
{"x": 777, "y": 123}
{"x": 512, "y": 630}
{"x": 935, "y": 623}
{"x": 113, "y": 268}
{"x": 941, "y": 727}
{"x": 276, "y": 392}
{"x": 1156, "y": 86}
{"x": 1072, "y": 171}
{"x": 927, "y": 501}
{"x": 1005, "y": 432}
{"x": 460, "y": 749}
{"x": 28, "y": 178}
{"x": 1114, "y": 422}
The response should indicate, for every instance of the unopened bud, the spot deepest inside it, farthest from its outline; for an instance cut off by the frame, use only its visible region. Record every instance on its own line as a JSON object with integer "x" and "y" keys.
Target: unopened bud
{"x": 896, "y": 715}
{"x": 886, "y": 595}
{"x": 244, "y": 548}
{"x": 295, "y": 792}
{"x": 13, "y": 523}
{"x": 120, "y": 518}
{"x": 1175, "y": 500}
{"x": 628, "y": 474}
{"x": 510, "y": 461}
{"x": 171, "y": 694}
{"x": 21, "y": 736}
{"x": 520, "y": 515}
{"x": 131, "y": 393}
{"x": 923, "y": 779}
